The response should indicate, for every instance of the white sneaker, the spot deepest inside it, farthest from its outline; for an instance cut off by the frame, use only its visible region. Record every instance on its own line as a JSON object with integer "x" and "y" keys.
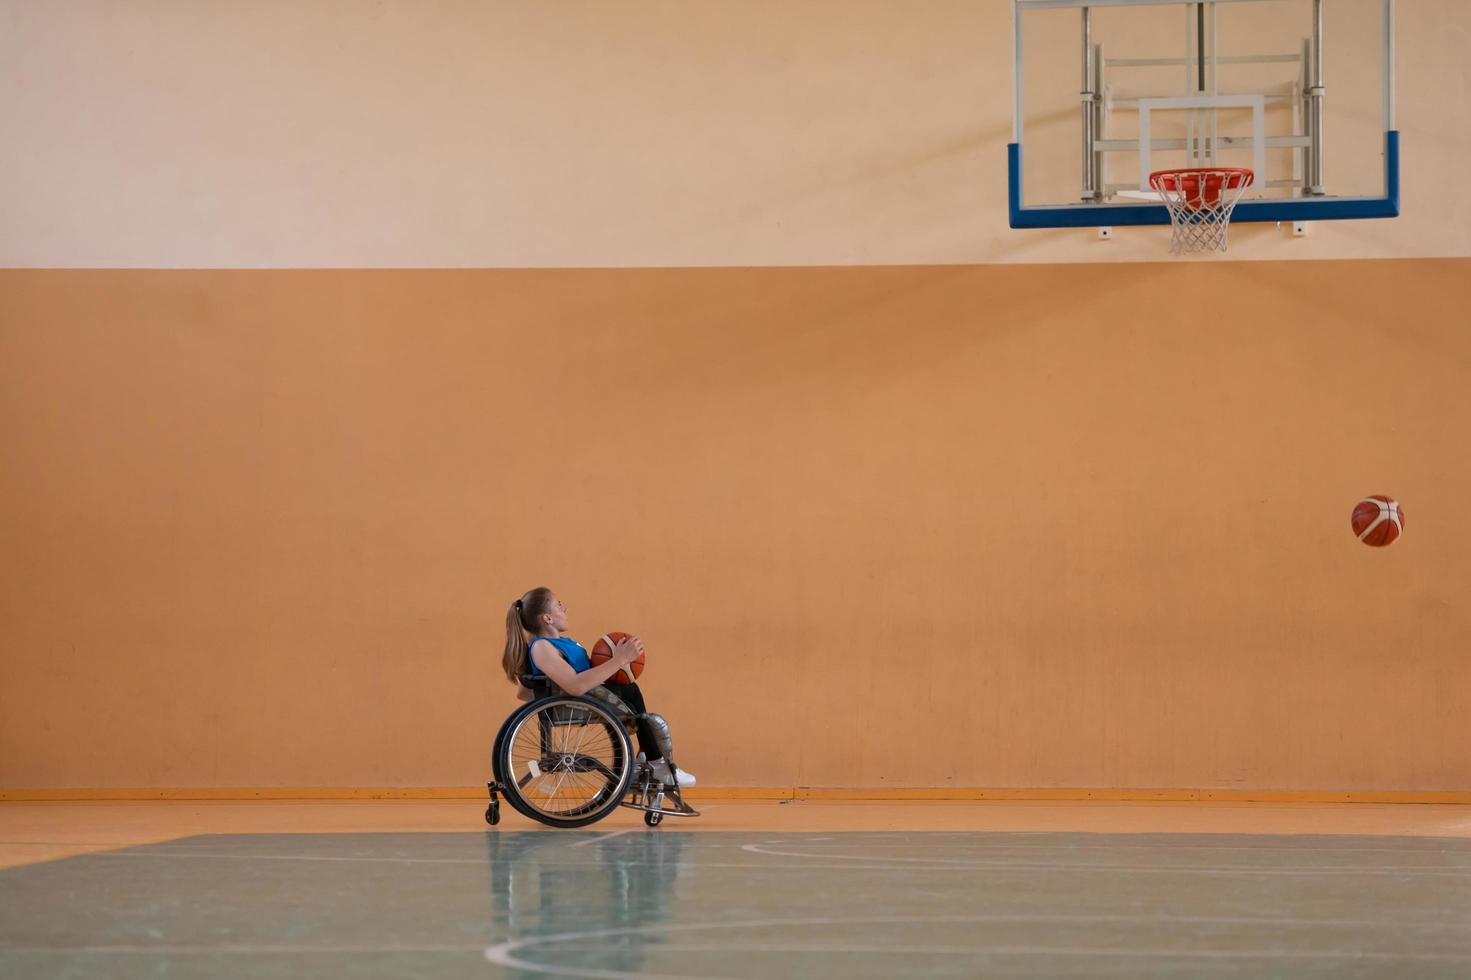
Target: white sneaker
{"x": 661, "y": 772}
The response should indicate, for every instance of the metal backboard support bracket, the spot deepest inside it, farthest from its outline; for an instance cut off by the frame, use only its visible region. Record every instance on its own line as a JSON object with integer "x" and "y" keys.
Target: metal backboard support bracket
{"x": 1100, "y": 203}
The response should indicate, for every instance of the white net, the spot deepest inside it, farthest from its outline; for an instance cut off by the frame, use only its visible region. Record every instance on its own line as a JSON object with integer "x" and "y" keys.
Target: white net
{"x": 1200, "y": 201}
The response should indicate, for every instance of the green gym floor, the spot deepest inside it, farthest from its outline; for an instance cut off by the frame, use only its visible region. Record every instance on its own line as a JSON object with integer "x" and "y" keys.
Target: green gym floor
{"x": 623, "y": 901}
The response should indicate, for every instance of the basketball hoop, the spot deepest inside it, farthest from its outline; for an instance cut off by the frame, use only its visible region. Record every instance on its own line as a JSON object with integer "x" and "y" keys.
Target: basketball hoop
{"x": 1200, "y": 200}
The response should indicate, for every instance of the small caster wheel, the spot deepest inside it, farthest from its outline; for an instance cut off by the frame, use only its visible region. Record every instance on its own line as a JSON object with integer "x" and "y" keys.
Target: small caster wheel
{"x": 653, "y": 819}
{"x": 493, "y": 813}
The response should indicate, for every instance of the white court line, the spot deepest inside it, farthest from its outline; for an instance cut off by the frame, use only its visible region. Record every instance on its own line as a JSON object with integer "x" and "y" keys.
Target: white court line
{"x": 1276, "y": 849}
{"x": 207, "y": 855}
{"x": 283, "y": 857}
{"x": 213, "y": 855}
{"x": 240, "y": 949}
{"x": 1415, "y": 871}
{"x": 828, "y": 949}
{"x": 907, "y": 840}
{"x": 847, "y": 862}
{"x": 599, "y": 840}
{"x": 747, "y": 866}
{"x": 245, "y": 949}
{"x": 503, "y": 954}
{"x": 565, "y": 940}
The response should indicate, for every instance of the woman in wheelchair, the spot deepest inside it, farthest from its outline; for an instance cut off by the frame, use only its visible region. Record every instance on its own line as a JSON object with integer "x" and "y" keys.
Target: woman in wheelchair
{"x": 564, "y": 757}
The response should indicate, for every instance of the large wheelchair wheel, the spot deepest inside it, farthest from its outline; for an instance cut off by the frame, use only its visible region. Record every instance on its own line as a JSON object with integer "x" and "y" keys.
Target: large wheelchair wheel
{"x": 564, "y": 761}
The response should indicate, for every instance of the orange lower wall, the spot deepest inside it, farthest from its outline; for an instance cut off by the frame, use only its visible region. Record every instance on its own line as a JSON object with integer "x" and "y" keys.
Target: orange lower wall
{"x": 1035, "y": 526}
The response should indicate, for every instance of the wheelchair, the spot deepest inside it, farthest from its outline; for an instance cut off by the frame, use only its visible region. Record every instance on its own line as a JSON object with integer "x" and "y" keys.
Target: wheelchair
{"x": 568, "y": 761}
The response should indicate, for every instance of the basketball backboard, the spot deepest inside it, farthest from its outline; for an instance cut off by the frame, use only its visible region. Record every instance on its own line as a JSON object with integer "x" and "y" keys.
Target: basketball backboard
{"x": 1300, "y": 91}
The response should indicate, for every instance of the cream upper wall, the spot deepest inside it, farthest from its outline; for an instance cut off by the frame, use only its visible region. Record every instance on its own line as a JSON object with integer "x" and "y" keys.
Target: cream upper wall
{"x": 472, "y": 133}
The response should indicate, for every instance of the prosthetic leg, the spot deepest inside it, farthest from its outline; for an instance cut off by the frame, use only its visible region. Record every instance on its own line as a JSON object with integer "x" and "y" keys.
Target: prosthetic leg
{"x": 658, "y": 797}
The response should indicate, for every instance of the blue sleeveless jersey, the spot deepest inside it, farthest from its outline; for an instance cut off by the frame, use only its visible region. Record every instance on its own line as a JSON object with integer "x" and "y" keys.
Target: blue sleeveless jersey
{"x": 571, "y": 649}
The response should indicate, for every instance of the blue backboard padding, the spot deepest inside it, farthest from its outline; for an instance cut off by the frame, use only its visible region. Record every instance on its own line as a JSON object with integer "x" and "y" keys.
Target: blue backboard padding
{"x": 1291, "y": 209}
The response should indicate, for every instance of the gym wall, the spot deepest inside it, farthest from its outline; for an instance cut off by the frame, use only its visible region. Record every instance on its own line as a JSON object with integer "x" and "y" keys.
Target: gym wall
{"x": 705, "y": 315}
{"x": 561, "y": 134}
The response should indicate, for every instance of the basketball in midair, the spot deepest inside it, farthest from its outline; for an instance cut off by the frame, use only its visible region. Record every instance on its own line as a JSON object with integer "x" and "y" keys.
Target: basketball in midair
{"x": 1378, "y": 520}
{"x": 602, "y": 652}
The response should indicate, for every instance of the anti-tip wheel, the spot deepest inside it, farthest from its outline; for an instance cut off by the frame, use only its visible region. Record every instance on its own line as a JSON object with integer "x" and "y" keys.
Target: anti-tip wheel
{"x": 653, "y": 819}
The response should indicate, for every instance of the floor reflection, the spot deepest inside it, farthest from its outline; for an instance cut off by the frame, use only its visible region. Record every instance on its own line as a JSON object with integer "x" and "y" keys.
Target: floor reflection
{"x": 543, "y": 884}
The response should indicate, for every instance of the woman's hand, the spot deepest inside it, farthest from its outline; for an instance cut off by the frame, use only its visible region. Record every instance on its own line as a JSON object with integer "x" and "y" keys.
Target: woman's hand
{"x": 627, "y": 650}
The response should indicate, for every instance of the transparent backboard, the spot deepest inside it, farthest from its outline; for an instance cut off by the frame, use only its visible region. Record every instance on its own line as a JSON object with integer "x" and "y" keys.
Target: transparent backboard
{"x": 1300, "y": 91}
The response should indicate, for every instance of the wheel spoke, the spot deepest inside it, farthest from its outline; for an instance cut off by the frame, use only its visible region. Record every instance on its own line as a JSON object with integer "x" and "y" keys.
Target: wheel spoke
{"x": 567, "y": 760}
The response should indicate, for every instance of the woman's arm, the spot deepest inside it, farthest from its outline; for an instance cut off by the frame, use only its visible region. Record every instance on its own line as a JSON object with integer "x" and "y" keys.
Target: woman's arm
{"x": 551, "y": 662}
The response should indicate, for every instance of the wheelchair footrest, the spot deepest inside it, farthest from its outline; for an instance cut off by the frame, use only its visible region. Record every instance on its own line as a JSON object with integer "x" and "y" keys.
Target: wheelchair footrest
{"x": 652, "y": 796}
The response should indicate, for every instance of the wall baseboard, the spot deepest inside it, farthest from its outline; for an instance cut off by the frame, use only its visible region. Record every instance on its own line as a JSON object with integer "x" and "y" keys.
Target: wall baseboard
{"x": 756, "y": 793}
